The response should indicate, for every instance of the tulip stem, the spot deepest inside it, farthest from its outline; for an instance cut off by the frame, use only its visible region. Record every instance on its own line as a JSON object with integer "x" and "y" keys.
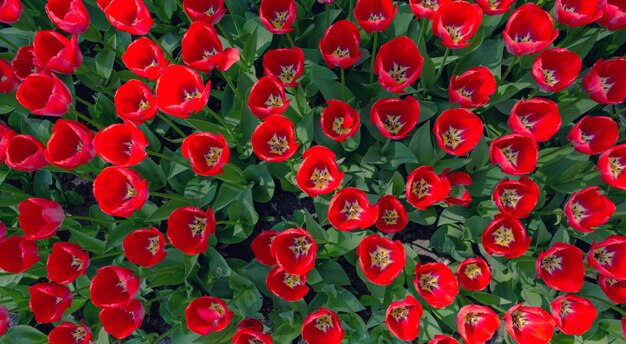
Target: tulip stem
{"x": 373, "y": 56}
{"x": 298, "y": 102}
{"x": 169, "y": 196}
{"x": 86, "y": 119}
{"x": 230, "y": 11}
{"x": 621, "y": 111}
{"x": 223, "y": 122}
{"x": 327, "y": 14}
{"x": 171, "y": 124}
{"x": 343, "y": 84}
{"x": 350, "y": 9}
{"x": 291, "y": 43}
{"x": 89, "y": 218}
{"x": 229, "y": 81}
{"x": 166, "y": 333}
{"x": 423, "y": 24}
{"x": 443, "y": 64}
{"x": 509, "y": 69}
{"x": 168, "y": 158}
{"x": 226, "y": 35}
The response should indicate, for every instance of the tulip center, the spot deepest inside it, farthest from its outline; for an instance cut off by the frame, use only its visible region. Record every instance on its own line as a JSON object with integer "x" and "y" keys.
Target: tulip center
{"x": 472, "y": 271}
{"x": 4, "y": 78}
{"x": 77, "y": 263}
{"x": 390, "y": 216}
{"x": 465, "y": 93}
{"x": 217, "y": 307}
{"x": 471, "y": 318}
{"x": 551, "y": 263}
{"x": 321, "y": 178}
{"x": 503, "y": 236}
{"x": 493, "y": 4}
{"x": 428, "y": 282}
{"x": 198, "y": 226}
{"x": 352, "y": 210}
{"x": 510, "y": 198}
{"x": 286, "y": 74}
{"x": 341, "y": 53}
{"x": 606, "y": 85}
{"x": 274, "y": 101}
{"x": 213, "y": 156}
{"x": 566, "y": 308}
{"x": 154, "y": 63}
{"x": 526, "y": 122}
{"x": 130, "y": 191}
{"x": 400, "y": 313}
{"x": 79, "y": 334}
{"x": 59, "y": 300}
{"x": 324, "y": 322}
{"x": 549, "y": 77}
{"x": 338, "y": 126}
{"x": 421, "y": 188}
{"x": 430, "y": 4}
{"x": 278, "y": 144}
{"x": 153, "y": 245}
{"x": 524, "y": 39}
{"x": 121, "y": 285}
{"x": 209, "y": 53}
{"x": 398, "y": 73}
{"x": 452, "y": 137}
{"x": 569, "y": 8}
{"x": 510, "y": 155}
{"x": 143, "y": 104}
{"x": 578, "y": 212}
{"x": 381, "y": 257}
{"x": 610, "y": 281}
{"x": 393, "y": 124}
{"x": 455, "y": 33}
{"x": 375, "y": 17}
{"x": 279, "y": 19}
{"x": 210, "y": 11}
{"x": 291, "y": 281}
{"x": 301, "y": 246}
{"x": 603, "y": 256}
{"x": 616, "y": 166}
{"x": 519, "y": 319}
{"x": 195, "y": 94}
{"x": 586, "y": 137}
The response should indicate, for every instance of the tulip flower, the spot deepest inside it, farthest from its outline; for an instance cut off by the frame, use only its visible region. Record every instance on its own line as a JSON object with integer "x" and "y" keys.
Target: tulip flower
{"x": 381, "y": 259}
{"x": 121, "y": 144}
{"x": 516, "y": 154}
{"x": 495, "y": 7}
{"x": 48, "y": 301}
{"x": 588, "y": 208}
{"x": 340, "y": 45}
{"x": 144, "y": 58}
{"x": 426, "y": 8}
{"x": 395, "y": 118}
{"x": 17, "y": 254}
{"x": 318, "y": 174}
{"x": 456, "y": 23}
{"x": 274, "y": 139}
{"x": 578, "y": 12}
{"x": 207, "y": 152}
{"x": 294, "y": 250}
{"x": 611, "y": 165}
{"x": 322, "y": 327}
{"x": 526, "y": 324}
{"x": 529, "y": 30}
{"x": 70, "y": 16}
{"x": 39, "y": 218}
{"x": 285, "y": 285}
{"x": 349, "y": 209}
{"x": 180, "y": 91}
{"x": 132, "y": 16}
{"x": 247, "y": 336}
{"x": 6, "y": 134}
{"x": 538, "y": 118}
{"x": 278, "y": 15}
{"x": 477, "y": 324}
{"x": 473, "y": 88}
{"x": 594, "y": 135}
{"x": 267, "y": 97}
{"x": 57, "y": 53}
{"x": 613, "y": 15}
{"x": 398, "y": 64}
{"x": 8, "y": 79}
{"x": 44, "y": 95}
{"x": 443, "y": 339}
{"x": 113, "y": 286}
{"x": 122, "y": 322}
{"x": 474, "y": 274}
{"x": 202, "y": 49}
{"x": 135, "y": 102}
{"x": 556, "y": 69}
{"x": 207, "y": 314}
{"x": 505, "y": 236}
{"x": 561, "y": 267}
{"x": 120, "y": 191}
{"x": 66, "y": 262}
{"x": 25, "y": 153}
{"x": 392, "y": 216}
{"x": 614, "y": 289}
{"x": 436, "y": 283}
{"x": 261, "y": 247}
{"x": 609, "y": 257}
{"x": 210, "y": 12}
{"x": 425, "y": 188}
{"x": 516, "y": 197}
{"x": 339, "y": 120}
{"x": 10, "y": 11}
{"x": 573, "y": 314}
{"x": 145, "y": 247}
{"x": 285, "y": 64}
{"x": 188, "y": 229}
{"x": 374, "y": 15}
{"x": 605, "y": 82}
{"x": 25, "y": 63}
{"x": 68, "y": 332}
{"x": 403, "y": 318}
{"x": 458, "y": 131}
{"x": 70, "y": 145}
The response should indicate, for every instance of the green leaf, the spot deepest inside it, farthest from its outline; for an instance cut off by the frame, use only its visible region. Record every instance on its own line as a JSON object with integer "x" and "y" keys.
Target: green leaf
{"x": 104, "y": 62}
{"x": 24, "y": 335}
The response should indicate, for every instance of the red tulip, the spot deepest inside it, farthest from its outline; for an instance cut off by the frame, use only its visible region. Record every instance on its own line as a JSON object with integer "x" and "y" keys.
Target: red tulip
{"x": 529, "y": 30}
{"x": 609, "y": 257}
{"x": 556, "y": 69}
{"x": 267, "y": 97}
{"x": 56, "y": 52}
{"x": 261, "y": 247}
{"x": 202, "y": 49}
{"x": 66, "y": 262}
{"x": 25, "y": 153}
{"x": 561, "y": 267}
{"x": 381, "y": 259}
{"x": 17, "y": 254}
{"x": 6, "y": 134}
{"x": 122, "y": 322}
{"x": 538, "y": 118}
{"x": 278, "y": 15}
{"x": 456, "y": 23}
{"x": 274, "y": 139}
{"x": 68, "y": 332}
{"x": 322, "y": 327}
{"x": 349, "y": 209}
{"x": 207, "y": 314}
{"x": 180, "y": 91}
{"x": 340, "y": 45}
{"x": 588, "y": 208}
{"x": 516, "y": 154}
{"x": 285, "y": 285}
{"x": 318, "y": 174}
{"x": 395, "y": 118}
{"x": 614, "y": 15}
{"x": 474, "y": 274}
{"x": 573, "y": 315}
{"x": 135, "y": 102}
{"x": 398, "y": 64}
{"x": 25, "y": 63}
{"x": 516, "y": 197}
{"x": 207, "y": 153}
{"x": 611, "y": 165}
{"x": 403, "y": 318}
{"x": 246, "y": 336}
{"x": 113, "y": 286}
{"x": 442, "y": 339}
{"x": 495, "y": 7}
{"x": 120, "y": 191}
{"x": 594, "y": 135}
{"x": 374, "y": 15}
{"x": 8, "y": 80}
{"x": 435, "y": 282}
{"x": 294, "y": 250}
{"x": 145, "y": 247}
{"x": 44, "y": 95}
{"x": 473, "y": 88}
{"x": 526, "y": 324}
{"x": 210, "y": 11}
{"x": 392, "y": 217}
{"x": 48, "y": 301}
{"x": 10, "y": 11}
{"x": 477, "y": 324}
{"x": 606, "y": 82}
{"x": 188, "y": 229}
{"x": 70, "y": 16}
{"x": 578, "y": 12}
{"x": 39, "y": 218}
{"x": 458, "y": 131}
{"x": 339, "y": 120}
{"x": 121, "y": 144}
{"x": 144, "y": 58}
{"x": 505, "y": 236}
{"x": 70, "y": 144}
{"x": 285, "y": 64}
{"x": 614, "y": 289}
{"x": 426, "y": 8}
{"x": 132, "y": 16}
{"x": 425, "y": 188}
